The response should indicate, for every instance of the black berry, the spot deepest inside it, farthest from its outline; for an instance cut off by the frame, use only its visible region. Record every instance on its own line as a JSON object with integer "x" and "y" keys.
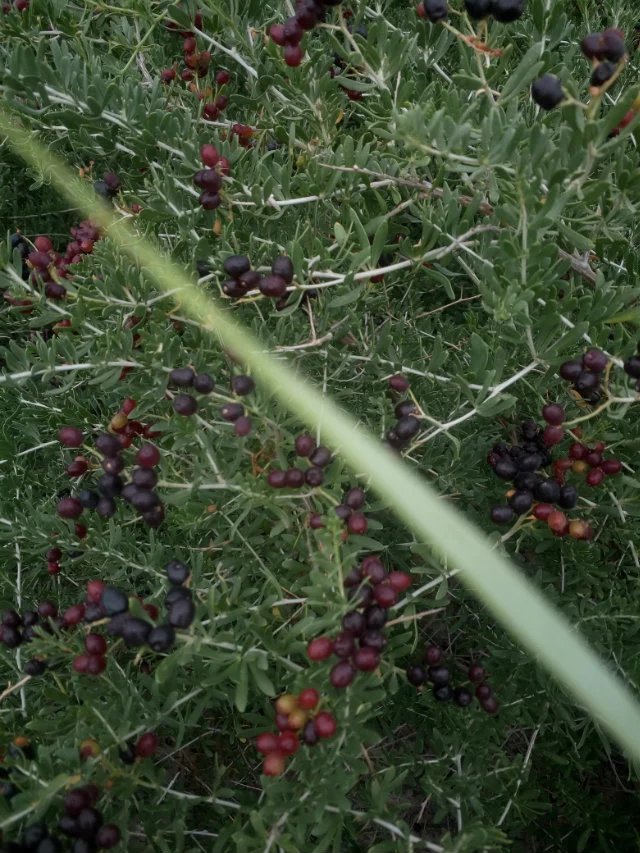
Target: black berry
{"x": 162, "y": 638}
{"x": 185, "y": 404}
{"x": 182, "y": 377}
{"x": 203, "y": 383}
{"x": 177, "y": 572}
{"x": 436, "y": 10}
{"x": 502, "y": 515}
{"x": 602, "y": 73}
{"x": 507, "y": 11}
{"x": 236, "y": 265}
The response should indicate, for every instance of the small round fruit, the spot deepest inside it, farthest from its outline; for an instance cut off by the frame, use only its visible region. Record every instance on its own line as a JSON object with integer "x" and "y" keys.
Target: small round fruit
{"x": 490, "y": 705}
{"x": 399, "y": 382}
{"x": 70, "y": 436}
{"x": 283, "y": 267}
{"x": 399, "y": 581}
{"x": 354, "y": 623}
{"x": 314, "y": 476}
{"x": 308, "y": 698}
{"x": 435, "y": 10}
{"x": 148, "y": 456}
{"x": 95, "y": 644}
{"x": 506, "y": 468}
{"x": 595, "y": 360}
{"x": 203, "y": 383}
{"x": 432, "y": 655}
{"x": 274, "y": 764}
{"x": 417, "y": 675}
{"x": 462, "y": 697}
{"x": 547, "y": 91}
{"x": 366, "y": 659}
{"x": 185, "y": 405}
{"x": 304, "y": 445}
{"x": 267, "y": 742}
{"x": 568, "y": 497}
{"x": 611, "y": 467}
{"x": 506, "y": 11}
{"x": 209, "y": 155}
{"x": 242, "y": 427}
{"x": 325, "y": 724}
{"x": 273, "y": 286}
{"x": 357, "y": 524}
{"x": 232, "y": 411}
{"x": 442, "y": 692}
{"x": 147, "y": 745}
{"x": 385, "y": 595}
{"x": 601, "y": 73}
{"x": 553, "y": 414}
{"x": 321, "y": 457}
{"x": 558, "y": 523}
{"x": 521, "y": 502}
{"x": 552, "y": 435}
{"x": 242, "y": 385}
{"x": 288, "y": 742}
{"x": 502, "y": 514}
{"x": 161, "y": 639}
{"x": 595, "y": 477}
{"x": 69, "y": 508}
{"x": 632, "y": 367}
{"x": 478, "y": 9}
{"x": 477, "y": 672}
{"x": 342, "y": 674}
{"x": 236, "y": 265}
{"x": 182, "y": 377}
{"x": 439, "y": 674}
{"x": 570, "y": 370}
{"x": 376, "y": 617}
{"x": 320, "y": 648}
{"x": 542, "y": 511}
{"x": 108, "y": 836}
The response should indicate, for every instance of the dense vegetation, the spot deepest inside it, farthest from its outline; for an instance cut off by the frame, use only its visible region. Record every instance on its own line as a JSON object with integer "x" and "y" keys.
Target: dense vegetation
{"x": 452, "y": 246}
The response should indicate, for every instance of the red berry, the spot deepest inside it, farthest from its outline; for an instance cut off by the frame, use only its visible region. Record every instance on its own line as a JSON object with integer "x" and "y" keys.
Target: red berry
{"x": 553, "y": 414}
{"x": 242, "y": 426}
{"x": 342, "y": 674}
{"x": 552, "y": 435}
{"x": 420, "y": 10}
{"x": 595, "y": 359}
{"x": 73, "y": 615}
{"x": 224, "y": 166}
{"x": 209, "y": 155}
{"x": 81, "y": 531}
{"x": 95, "y": 590}
{"x": 288, "y": 743}
{"x": 308, "y": 698}
{"x": 128, "y": 405}
{"x": 483, "y": 691}
{"x": 78, "y": 467}
{"x": 399, "y": 383}
{"x": 558, "y": 523}
{"x": 320, "y": 648}
{"x": 316, "y": 521}
{"x": 577, "y": 451}
{"x": 81, "y": 664}
{"x": 43, "y": 244}
{"x": 54, "y": 554}
{"x": 611, "y": 466}
{"x": 354, "y": 498}
{"x": 148, "y": 456}
{"x": 490, "y": 705}
{"x": 167, "y": 75}
{"x": 53, "y": 568}
{"x": 276, "y": 31}
{"x": 146, "y": 745}
{"x": 325, "y": 724}
{"x": 293, "y": 55}
{"x": 277, "y": 479}
{"x": 267, "y": 742}
{"x": 432, "y": 655}
{"x": 542, "y": 511}
{"x": 274, "y": 764}
{"x": 399, "y": 581}
{"x": 70, "y": 436}
{"x": 366, "y": 659}
{"x": 357, "y": 524}
{"x": 304, "y": 445}
{"x": 95, "y": 644}
{"x": 96, "y": 665}
{"x": 477, "y": 672}
{"x": 595, "y": 476}
{"x": 385, "y": 595}
{"x": 69, "y": 508}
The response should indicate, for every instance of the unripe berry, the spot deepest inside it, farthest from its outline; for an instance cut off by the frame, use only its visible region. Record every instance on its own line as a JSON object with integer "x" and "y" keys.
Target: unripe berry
{"x": 274, "y": 764}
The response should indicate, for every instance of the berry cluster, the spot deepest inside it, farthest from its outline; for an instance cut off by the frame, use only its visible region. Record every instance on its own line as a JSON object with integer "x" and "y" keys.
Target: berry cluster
{"x": 81, "y": 822}
{"x": 439, "y": 676}
{"x": 47, "y": 266}
{"x": 407, "y": 424}
{"x": 144, "y": 747}
{"x": 519, "y": 464}
{"x": 16, "y": 628}
{"x": 139, "y": 491}
{"x": 319, "y": 457}
{"x": 18, "y": 5}
{"x": 606, "y": 51}
{"x": 504, "y": 11}
{"x": 233, "y": 412}
{"x": 582, "y": 459}
{"x": 290, "y": 34}
{"x": 361, "y": 641}
{"x": 242, "y": 279}
{"x": 585, "y": 374}
{"x": 294, "y": 715}
{"x": 210, "y": 179}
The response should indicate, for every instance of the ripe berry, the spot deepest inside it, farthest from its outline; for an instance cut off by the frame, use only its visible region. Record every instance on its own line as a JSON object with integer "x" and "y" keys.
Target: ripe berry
{"x": 304, "y": 445}
{"x": 242, "y": 385}
{"x": 314, "y": 476}
{"x": 521, "y": 502}
{"x": 75, "y": 801}
{"x": 177, "y": 572}
{"x": 558, "y": 523}
{"x": 96, "y": 665}
{"x": 232, "y": 411}
{"x": 570, "y": 370}
{"x": 416, "y": 675}
{"x": 568, "y": 497}
{"x": 553, "y": 414}
{"x": 632, "y": 367}
{"x": 209, "y": 200}
{"x": 595, "y": 477}
{"x": 321, "y": 457}
{"x": 288, "y": 743}
{"x": 442, "y": 692}
{"x": 325, "y": 724}
{"x": 108, "y": 445}
{"x": 354, "y": 623}
{"x": 95, "y": 644}
{"x": 146, "y": 745}
{"x": 162, "y": 638}
{"x": 276, "y": 31}
{"x": 366, "y": 658}
{"x": 477, "y": 672}
{"x": 439, "y": 674}
{"x": 143, "y": 478}
{"x": 108, "y": 836}
{"x": 222, "y": 77}
{"x": 35, "y": 667}
{"x": 273, "y": 285}
{"x": 542, "y": 511}
{"x": 612, "y": 46}
{"x": 81, "y": 664}
{"x": 490, "y": 705}
{"x": 242, "y": 427}
{"x": 181, "y": 377}
{"x": 602, "y": 72}
{"x": 343, "y": 645}
{"x": 547, "y": 491}
{"x": 373, "y": 569}
{"x": 478, "y": 9}
{"x": 432, "y": 655}
{"x": 506, "y": 11}
{"x": 185, "y": 404}
{"x": 47, "y": 610}
{"x": 316, "y": 521}
{"x": 294, "y": 478}
{"x": 112, "y": 464}
{"x": 385, "y": 595}
{"x": 398, "y": 382}
{"x": 502, "y": 514}
{"x": 357, "y": 524}
{"x": 462, "y": 697}
{"x": 148, "y": 456}
{"x": 611, "y": 467}
{"x": 595, "y": 360}
{"x": 69, "y": 508}
{"x": 73, "y": 615}
{"x": 435, "y": 10}
{"x": 405, "y": 407}
{"x": 182, "y": 613}
{"x": 209, "y": 155}
{"x": 547, "y": 91}
{"x": 70, "y": 436}
{"x": 274, "y": 764}
{"x": 374, "y": 639}
{"x": 376, "y": 617}
{"x": 342, "y": 674}
{"x": 277, "y": 479}
{"x": 593, "y": 458}
{"x": 267, "y": 742}
{"x": 320, "y": 648}
{"x": 407, "y": 427}
{"x": 399, "y": 581}
{"x": 506, "y": 468}
{"x": 308, "y": 698}
{"x": 236, "y": 265}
